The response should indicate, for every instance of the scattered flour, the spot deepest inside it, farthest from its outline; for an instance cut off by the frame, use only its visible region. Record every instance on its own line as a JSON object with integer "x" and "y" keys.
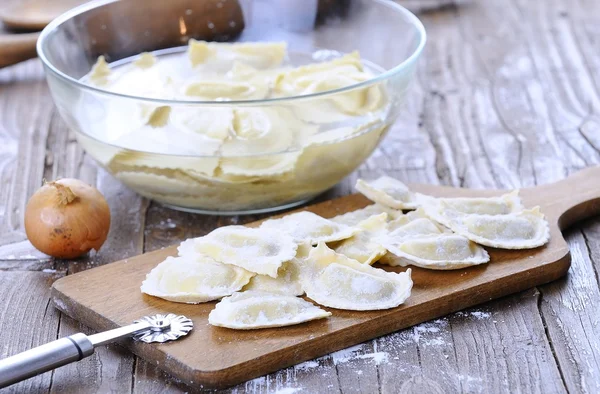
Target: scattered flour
{"x": 423, "y": 333}
{"x": 479, "y": 315}
{"x": 432, "y": 333}
{"x": 377, "y": 357}
{"x": 469, "y": 379}
{"x": 288, "y": 390}
{"x": 49, "y": 271}
{"x": 60, "y": 304}
{"x": 306, "y": 366}
{"x": 357, "y": 353}
{"x": 27, "y": 256}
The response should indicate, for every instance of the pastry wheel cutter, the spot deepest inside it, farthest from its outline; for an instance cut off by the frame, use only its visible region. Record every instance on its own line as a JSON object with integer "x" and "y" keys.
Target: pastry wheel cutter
{"x": 149, "y": 329}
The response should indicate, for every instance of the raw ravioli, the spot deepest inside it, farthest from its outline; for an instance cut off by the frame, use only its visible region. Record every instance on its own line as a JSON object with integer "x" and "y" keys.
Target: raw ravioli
{"x": 522, "y": 230}
{"x": 327, "y": 76}
{"x": 257, "y": 309}
{"x": 415, "y": 223}
{"x": 186, "y": 248}
{"x": 287, "y": 281}
{"x": 246, "y": 73}
{"x": 366, "y": 246}
{"x": 214, "y": 124}
{"x": 194, "y": 279}
{"x": 145, "y": 60}
{"x": 151, "y": 182}
{"x": 213, "y": 56}
{"x": 334, "y": 280}
{"x": 100, "y": 72}
{"x": 264, "y": 142}
{"x": 438, "y": 252}
{"x": 501, "y": 205}
{"x": 257, "y": 250}
{"x": 309, "y": 227}
{"x": 389, "y": 192}
{"x": 216, "y": 89}
{"x": 354, "y": 217}
{"x": 288, "y": 277}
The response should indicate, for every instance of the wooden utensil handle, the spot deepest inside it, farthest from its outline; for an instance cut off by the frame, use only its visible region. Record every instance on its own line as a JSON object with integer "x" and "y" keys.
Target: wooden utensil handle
{"x": 574, "y": 198}
{"x": 15, "y": 48}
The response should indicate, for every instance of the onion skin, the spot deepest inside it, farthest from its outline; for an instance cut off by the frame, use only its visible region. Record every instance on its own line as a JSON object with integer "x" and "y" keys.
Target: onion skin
{"x": 67, "y": 218}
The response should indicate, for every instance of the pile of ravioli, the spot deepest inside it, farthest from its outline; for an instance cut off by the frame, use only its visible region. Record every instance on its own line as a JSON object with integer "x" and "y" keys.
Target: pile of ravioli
{"x": 233, "y": 157}
{"x": 259, "y": 274}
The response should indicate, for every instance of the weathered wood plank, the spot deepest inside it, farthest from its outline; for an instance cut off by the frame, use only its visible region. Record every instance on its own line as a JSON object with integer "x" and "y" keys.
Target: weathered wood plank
{"x": 109, "y": 369}
{"x": 27, "y": 319}
{"x": 509, "y": 348}
{"x": 475, "y": 147}
{"x": 23, "y": 126}
{"x": 570, "y": 309}
{"x": 560, "y": 51}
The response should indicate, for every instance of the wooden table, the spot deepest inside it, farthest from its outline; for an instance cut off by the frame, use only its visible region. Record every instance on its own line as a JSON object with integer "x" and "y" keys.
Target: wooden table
{"x": 508, "y": 95}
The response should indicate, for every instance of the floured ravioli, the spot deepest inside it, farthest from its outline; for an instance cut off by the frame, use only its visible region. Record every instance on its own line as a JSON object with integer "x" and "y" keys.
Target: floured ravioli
{"x": 287, "y": 281}
{"x": 309, "y": 227}
{"x": 288, "y": 277}
{"x": 261, "y": 251}
{"x": 438, "y": 252}
{"x": 522, "y": 230}
{"x": 415, "y": 223}
{"x": 366, "y": 246}
{"x": 334, "y": 280}
{"x": 257, "y": 309}
{"x": 219, "y": 57}
{"x": 389, "y": 192}
{"x": 186, "y": 248}
{"x": 501, "y": 205}
{"x": 194, "y": 279}
{"x": 354, "y": 217}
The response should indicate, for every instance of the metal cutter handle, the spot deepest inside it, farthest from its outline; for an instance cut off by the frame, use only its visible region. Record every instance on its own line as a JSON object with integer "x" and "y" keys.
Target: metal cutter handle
{"x": 58, "y": 353}
{"x": 44, "y": 358}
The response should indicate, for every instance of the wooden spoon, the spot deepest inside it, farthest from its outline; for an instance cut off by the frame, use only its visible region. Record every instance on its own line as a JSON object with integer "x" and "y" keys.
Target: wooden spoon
{"x": 27, "y": 15}
{"x": 35, "y": 14}
{"x": 15, "y": 48}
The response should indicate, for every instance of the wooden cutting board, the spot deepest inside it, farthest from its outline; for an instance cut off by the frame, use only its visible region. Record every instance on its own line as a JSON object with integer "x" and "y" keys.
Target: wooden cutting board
{"x": 213, "y": 357}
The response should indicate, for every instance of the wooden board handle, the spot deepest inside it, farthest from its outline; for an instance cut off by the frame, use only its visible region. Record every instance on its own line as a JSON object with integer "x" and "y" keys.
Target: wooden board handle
{"x": 574, "y": 198}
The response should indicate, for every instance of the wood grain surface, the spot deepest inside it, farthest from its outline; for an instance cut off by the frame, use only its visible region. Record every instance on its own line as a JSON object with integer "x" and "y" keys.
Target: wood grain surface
{"x": 508, "y": 95}
{"x": 212, "y": 357}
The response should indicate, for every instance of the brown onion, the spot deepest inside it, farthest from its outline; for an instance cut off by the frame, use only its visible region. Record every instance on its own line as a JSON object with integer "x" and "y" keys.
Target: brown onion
{"x": 66, "y": 218}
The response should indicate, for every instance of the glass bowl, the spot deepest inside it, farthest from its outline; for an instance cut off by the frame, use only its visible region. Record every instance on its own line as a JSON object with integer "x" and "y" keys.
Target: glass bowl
{"x": 173, "y": 168}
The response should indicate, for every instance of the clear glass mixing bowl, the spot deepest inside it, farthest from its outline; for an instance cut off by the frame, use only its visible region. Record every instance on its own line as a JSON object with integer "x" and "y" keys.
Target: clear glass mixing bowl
{"x": 388, "y": 37}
